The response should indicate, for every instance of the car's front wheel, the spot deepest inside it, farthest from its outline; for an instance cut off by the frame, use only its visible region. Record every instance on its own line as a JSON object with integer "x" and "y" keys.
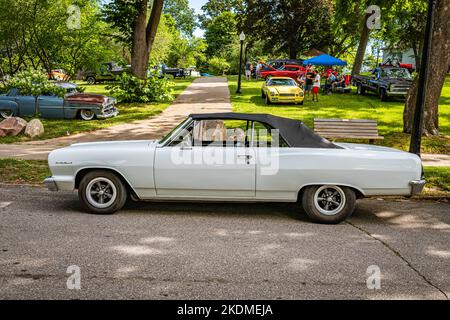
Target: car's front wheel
{"x": 102, "y": 192}
{"x": 383, "y": 95}
{"x": 360, "y": 90}
{"x": 91, "y": 80}
{"x": 87, "y": 115}
{"x": 328, "y": 203}
{"x": 263, "y": 94}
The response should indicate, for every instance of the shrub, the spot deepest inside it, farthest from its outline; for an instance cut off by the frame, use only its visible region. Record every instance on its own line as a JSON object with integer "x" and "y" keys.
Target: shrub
{"x": 219, "y": 65}
{"x": 129, "y": 88}
{"x": 33, "y": 83}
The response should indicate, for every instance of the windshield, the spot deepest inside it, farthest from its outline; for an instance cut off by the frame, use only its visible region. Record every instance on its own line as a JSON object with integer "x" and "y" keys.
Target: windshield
{"x": 281, "y": 82}
{"x": 395, "y": 73}
{"x": 163, "y": 140}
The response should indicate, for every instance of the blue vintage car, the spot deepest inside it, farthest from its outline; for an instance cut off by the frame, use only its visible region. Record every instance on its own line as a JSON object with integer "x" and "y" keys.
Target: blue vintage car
{"x": 74, "y": 105}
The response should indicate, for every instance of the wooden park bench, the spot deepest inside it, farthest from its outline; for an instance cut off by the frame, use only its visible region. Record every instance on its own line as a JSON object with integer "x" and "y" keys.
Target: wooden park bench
{"x": 347, "y": 129}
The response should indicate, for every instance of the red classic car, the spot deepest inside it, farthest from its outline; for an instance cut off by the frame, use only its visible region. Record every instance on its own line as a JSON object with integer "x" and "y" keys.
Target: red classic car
{"x": 288, "y": 70}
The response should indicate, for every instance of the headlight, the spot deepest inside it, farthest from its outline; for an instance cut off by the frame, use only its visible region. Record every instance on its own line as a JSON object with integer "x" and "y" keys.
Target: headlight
{"x": 273, "y": 93}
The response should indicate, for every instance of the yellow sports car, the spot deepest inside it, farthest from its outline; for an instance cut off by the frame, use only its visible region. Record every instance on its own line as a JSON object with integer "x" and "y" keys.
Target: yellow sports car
{"x": 282, "y": 89}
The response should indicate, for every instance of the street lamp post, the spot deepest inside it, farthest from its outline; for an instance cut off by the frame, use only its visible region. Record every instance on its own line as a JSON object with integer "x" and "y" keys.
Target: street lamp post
{"x": 416, "y": 132}
{"x": 241, "y": 38}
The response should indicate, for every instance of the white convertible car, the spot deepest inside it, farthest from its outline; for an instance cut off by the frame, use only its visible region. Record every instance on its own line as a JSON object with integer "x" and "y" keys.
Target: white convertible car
{"x": 235, "y": 157}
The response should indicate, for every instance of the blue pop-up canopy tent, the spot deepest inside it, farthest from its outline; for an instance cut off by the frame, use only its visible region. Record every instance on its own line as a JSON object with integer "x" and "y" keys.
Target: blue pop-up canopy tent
{"x": 325, "y": 60}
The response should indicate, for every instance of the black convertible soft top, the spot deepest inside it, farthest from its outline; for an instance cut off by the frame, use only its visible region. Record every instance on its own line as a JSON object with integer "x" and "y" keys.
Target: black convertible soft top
{"x": 294, "y": 132}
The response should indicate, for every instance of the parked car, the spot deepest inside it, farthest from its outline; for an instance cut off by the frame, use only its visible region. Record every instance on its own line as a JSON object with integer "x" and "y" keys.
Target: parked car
{"x": 74, "y": 105}
{"x": 288, "y": 70}
{"x": 175, "y": 72}
{"x": 385, "y": 82}
{"x": 282, "y": 89}
{"x": 209, "y": 157}
{"x": 277, "y": 63}
{"x": 108, "y": 72}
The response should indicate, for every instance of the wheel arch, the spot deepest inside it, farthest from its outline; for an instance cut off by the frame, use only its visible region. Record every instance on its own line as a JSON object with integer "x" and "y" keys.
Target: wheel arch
{"x": 7, "y": 105}
{"x": 358, "y": 191}
{"x": 83, "y": 171}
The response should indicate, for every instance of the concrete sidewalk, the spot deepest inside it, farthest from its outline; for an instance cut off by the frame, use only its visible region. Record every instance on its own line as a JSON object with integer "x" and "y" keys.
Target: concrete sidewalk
{"x": 204, "y": 95}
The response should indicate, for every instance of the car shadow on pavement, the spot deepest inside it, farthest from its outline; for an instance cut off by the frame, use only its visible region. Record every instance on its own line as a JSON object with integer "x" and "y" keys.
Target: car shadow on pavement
{"x": 270, "y": 210}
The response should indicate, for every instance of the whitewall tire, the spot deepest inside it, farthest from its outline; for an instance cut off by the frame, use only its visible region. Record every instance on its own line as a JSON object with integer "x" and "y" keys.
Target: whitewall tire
{"x": 87, "y": 114}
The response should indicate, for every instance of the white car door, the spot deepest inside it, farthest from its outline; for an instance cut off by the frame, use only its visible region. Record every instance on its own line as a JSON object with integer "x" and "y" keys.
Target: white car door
{"x": 198, "y": 166}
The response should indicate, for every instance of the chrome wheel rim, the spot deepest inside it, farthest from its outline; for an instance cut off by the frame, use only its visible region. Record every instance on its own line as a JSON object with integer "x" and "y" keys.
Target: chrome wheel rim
{"x": 6, "y": 114}
{"x": 101, "y": 192}
{"x": 87, "y": 114}
{"x": 329, "y": 200}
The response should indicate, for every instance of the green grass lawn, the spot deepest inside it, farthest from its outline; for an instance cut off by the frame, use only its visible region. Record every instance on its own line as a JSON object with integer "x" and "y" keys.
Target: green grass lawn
{"x": 389, "y": 115}
{"x": 128, "y": 112}
{"x": 34, "y": 171}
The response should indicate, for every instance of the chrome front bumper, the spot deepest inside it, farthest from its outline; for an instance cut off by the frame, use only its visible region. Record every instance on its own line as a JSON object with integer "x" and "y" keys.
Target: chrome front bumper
{"x": 417, "y": 186}
{"x": 50, "y": 184}
{"x": 108, "y": 113}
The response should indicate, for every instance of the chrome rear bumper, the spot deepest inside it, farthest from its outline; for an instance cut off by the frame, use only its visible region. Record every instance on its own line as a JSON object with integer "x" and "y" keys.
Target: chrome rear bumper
{"x": 417, "y": 186}
{"x": 50, "y": 184}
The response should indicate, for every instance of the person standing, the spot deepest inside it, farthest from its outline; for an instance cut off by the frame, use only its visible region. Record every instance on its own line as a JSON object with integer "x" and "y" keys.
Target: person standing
{"x": 308, "y": 82}
{"x": 258, "y": 69}
{"x": 316, "y": 87}
{"x": 248, "y": 70}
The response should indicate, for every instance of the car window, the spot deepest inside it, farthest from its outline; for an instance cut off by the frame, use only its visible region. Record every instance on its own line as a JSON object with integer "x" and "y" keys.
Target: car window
{"x": 281, "y": 82}
{"x": 223, "y": 133}
{"x": 266, "y": 136}
{"x": 14, "y": 92}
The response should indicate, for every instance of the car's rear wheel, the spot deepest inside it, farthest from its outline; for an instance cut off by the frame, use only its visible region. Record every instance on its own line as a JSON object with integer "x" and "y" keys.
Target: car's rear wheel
{"x": 328, "y": 203}
{"x": 102, "y": 192}
{"x": 6, "y": 114}
{"x": 87, "y": 115}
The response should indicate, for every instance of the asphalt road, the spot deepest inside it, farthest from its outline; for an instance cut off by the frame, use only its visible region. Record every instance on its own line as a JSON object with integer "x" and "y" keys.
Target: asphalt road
{"x": 215, "y": 251}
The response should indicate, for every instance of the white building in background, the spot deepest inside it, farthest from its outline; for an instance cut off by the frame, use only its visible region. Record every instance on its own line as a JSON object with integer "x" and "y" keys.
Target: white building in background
{"x": 405, "y": 56}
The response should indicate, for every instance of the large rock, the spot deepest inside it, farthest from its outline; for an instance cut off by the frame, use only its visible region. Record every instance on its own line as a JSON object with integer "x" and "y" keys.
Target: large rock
{"x": 12, "y": 126}
{"x": 34, "y": 128}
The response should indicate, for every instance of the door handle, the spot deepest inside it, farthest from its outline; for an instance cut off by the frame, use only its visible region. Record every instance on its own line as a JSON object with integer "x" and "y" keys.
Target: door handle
{"x": 186, "y": 148}
{"x": 246, "y": 156}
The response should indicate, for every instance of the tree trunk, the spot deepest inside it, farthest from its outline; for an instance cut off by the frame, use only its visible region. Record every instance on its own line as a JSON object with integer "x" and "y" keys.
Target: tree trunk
{"x": 153, "y": 23}
{"x": 363, "y": 40}
{"x": 439, "y": 64}
{"x": 144, "y": 34}
{"x": 139, "y": 48}
{"x": 292, "y": 53}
